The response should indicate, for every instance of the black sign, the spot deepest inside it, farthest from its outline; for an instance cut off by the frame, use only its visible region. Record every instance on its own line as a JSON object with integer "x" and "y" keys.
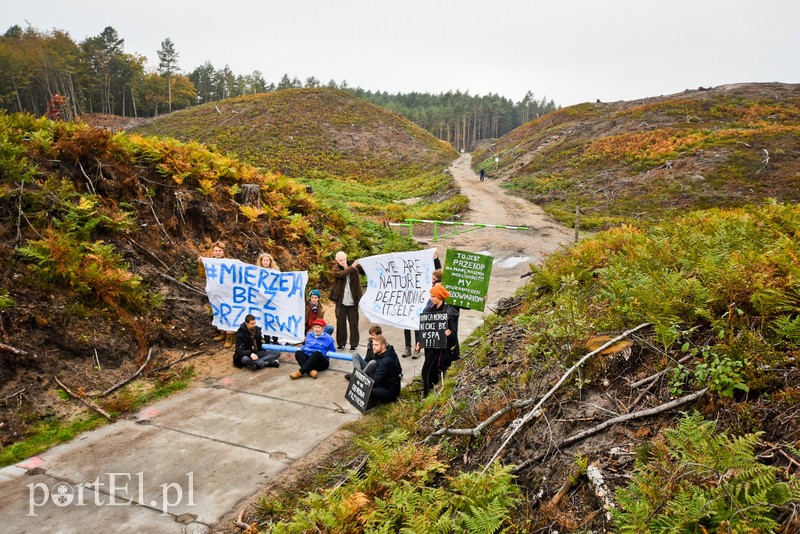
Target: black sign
{"x": 431, "y": 329}
{"x": 359, "y": 389}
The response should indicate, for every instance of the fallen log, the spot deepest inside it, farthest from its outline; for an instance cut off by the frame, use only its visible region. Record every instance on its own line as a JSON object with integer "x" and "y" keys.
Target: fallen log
{"x": 137, "y": 373}
{"x": 598, "y": 483}
{"x": 179, "y": 360}
{"x": 83, "y": 401}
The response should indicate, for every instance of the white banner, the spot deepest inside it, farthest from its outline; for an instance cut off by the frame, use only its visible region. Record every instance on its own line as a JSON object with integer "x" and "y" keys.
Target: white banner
{"x": 398, "y": 286}
{"x": 277, "y": 300}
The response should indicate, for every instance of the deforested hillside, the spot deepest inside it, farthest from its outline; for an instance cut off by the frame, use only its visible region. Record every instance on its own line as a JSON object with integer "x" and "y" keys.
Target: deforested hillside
{"x": 99, "y": 243}
{"x": 646, "y": 159}
{"x": 309, "y": 132}
{"x": 353, "y": 153}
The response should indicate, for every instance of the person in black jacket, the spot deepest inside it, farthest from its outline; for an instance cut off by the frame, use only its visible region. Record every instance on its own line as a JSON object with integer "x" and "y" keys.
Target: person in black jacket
{"x": 248, "y": 351}
{"x": 438, "y": 360}
{"x": 388, "y": 372}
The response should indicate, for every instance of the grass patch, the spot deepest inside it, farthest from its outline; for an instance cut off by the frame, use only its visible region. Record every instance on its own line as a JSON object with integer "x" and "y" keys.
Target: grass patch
{"x": 47, "y": 434}
{"x": 51, "y": 432}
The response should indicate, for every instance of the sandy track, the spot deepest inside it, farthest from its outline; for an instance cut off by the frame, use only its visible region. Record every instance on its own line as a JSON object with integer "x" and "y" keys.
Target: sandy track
{"x": 513, "y": 250}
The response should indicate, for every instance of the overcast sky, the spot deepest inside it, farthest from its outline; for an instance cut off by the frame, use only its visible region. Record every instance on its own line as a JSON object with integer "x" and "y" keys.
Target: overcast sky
{"x": 568, "y": 50}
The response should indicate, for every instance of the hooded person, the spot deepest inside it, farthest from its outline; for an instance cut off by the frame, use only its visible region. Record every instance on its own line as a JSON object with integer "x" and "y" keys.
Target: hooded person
{"x": 313, "y": 355}
{"x": 314, "y": 309}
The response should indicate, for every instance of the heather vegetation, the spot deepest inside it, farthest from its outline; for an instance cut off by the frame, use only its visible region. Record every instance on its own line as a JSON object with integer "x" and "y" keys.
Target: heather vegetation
{"x": 699, "y": 254}
{"x": 354, "y": 154}
{"x": 648, "y": 159}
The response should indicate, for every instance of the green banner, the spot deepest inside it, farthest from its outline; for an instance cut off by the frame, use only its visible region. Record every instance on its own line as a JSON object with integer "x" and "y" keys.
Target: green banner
{"x": 466, "y": 276}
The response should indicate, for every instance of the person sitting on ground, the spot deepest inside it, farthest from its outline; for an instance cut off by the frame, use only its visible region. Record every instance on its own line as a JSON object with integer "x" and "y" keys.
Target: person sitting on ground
{"x": 362, "y": 364}
{"x": 388, "y": 373}
{"x": 313, "y": 355}
{"x": 248, "y": 351}
{"x": 314, "y": 308}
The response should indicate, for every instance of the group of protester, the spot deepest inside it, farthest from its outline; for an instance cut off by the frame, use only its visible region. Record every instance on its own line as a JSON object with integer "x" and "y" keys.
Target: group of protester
{"x": 381, "y": 362}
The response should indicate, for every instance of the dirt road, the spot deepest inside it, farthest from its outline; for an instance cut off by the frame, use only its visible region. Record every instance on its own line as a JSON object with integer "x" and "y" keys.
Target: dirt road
{"x": 513, "y": 250}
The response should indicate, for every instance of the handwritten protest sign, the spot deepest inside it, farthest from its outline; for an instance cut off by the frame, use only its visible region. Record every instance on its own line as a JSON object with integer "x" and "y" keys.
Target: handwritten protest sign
{"x": 466, "y": 276}
{"x": 359, "y": 389}
{"x": 277, "y": 300}
{"x": 432, "y": 327}
{"x": 398, "y": 286}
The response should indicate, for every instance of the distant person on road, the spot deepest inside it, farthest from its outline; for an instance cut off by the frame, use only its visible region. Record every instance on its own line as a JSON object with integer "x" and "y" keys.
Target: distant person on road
{"x": 388, "y": 372}
{"x": 217, "y": 251}
{"x": 483, "y": 172}
{"x": 346, "y": 294}
{"x": 314, "y": 309}
{"x": 248, "y": 351}
{"x": 266, "y": 261}
{"x": 313, "y": 355}
{"x": 437, "y": 360}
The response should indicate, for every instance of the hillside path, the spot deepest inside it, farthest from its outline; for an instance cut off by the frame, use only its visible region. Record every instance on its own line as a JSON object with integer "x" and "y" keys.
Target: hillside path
{"x": 191, "y": 462}
{"x": 513, "y": 250}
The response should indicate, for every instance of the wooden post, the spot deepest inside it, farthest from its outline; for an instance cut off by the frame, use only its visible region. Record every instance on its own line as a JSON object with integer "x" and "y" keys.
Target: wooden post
{"x": 577, "y": 221}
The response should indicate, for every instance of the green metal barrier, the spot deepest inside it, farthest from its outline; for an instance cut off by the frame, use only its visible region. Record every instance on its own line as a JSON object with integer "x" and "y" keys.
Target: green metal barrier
{"x": 455, "y": 224}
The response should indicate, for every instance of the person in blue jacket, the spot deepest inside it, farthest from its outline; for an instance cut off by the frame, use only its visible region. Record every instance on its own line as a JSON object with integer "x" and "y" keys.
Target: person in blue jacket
{"x": 313, "y": 355}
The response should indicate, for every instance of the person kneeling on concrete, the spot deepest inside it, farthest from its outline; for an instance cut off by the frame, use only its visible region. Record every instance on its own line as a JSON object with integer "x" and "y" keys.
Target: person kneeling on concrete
{"x": 313, "y": 355}
{"x": 248, "y": 351}
{"x": 388, "y": 372}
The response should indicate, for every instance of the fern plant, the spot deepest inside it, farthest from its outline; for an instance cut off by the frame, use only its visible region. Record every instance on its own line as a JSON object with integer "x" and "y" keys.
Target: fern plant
{"x": 405, "y": 489}
{"x": 695, "y": 479}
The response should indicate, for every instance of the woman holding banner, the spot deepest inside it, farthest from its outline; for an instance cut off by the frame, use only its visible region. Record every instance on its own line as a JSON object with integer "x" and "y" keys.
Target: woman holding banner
{"x": 437, "y": 360}
{"x": 217, "y": 251}
{"x": 266, "y": 261}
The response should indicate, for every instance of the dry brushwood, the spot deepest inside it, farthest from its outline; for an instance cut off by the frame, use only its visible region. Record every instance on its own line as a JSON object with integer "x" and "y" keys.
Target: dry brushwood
{"x": 519, "y": 423}
{"x": 183, "y": 358}
{"x": 83, "y": 401}
{"x": 613, "y": 421}
{"x": 476, "y": 431}
{"x": 13, "y": 350}
{"x": 137, "y": 373}
{"x": 505, "y": 304}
